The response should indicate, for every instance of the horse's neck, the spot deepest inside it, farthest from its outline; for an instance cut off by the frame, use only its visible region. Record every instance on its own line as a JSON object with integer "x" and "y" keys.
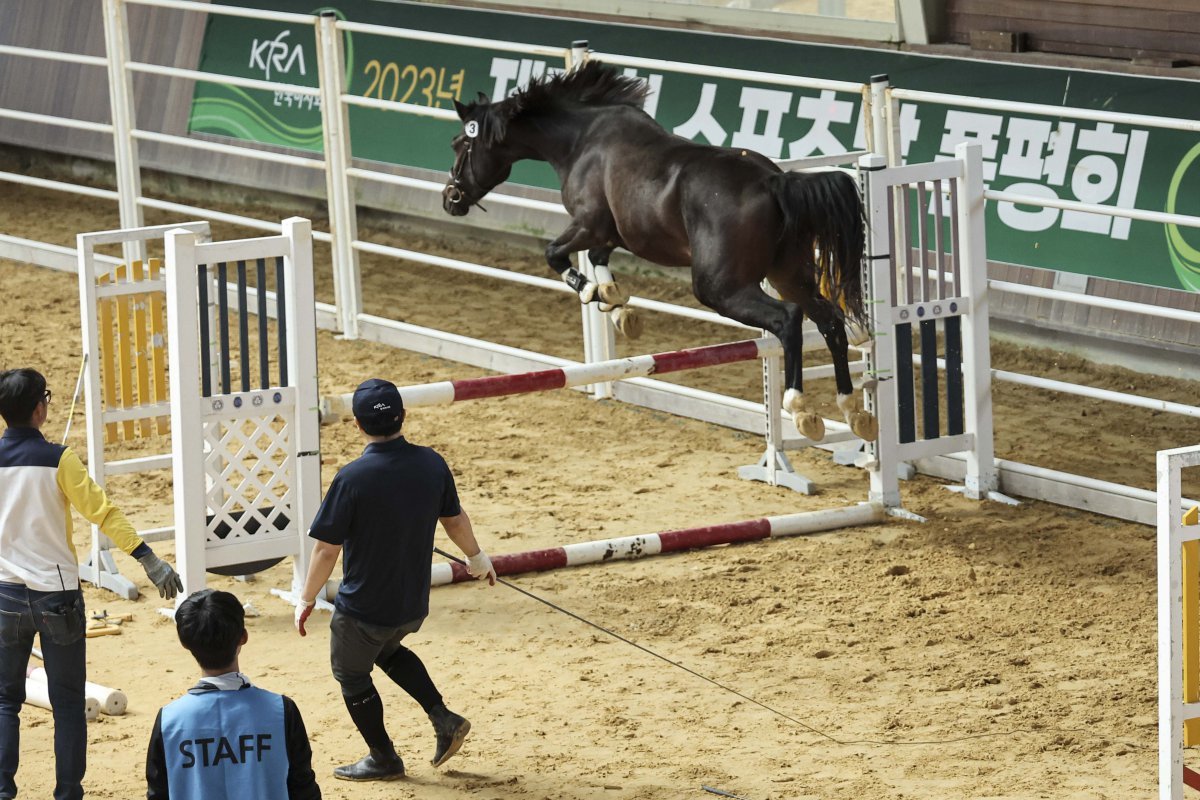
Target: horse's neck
{"x": 553, "y": 138}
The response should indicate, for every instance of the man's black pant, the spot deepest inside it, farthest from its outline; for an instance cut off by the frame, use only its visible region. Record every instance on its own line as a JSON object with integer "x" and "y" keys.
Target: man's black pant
{"x": 355, "y": 648}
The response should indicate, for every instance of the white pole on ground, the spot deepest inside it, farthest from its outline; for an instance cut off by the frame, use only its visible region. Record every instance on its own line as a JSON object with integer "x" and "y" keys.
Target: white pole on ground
{"x": 626, "y": 548}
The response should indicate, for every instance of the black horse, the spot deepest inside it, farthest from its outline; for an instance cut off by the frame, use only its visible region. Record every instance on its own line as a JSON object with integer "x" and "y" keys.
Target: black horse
{"x": 730, "y": 214}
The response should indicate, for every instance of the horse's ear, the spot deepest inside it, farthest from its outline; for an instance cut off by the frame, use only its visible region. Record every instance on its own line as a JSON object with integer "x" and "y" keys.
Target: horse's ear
{"x": 482, "y": 99}
{"x": 462, "y": 110}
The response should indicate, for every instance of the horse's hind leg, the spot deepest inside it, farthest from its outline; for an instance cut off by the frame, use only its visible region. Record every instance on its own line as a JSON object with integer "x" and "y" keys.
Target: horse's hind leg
{"x": 862, "y": 423}
{"x": 558, "y": 256}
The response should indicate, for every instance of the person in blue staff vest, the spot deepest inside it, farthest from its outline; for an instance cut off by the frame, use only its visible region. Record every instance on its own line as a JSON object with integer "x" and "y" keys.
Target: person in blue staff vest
{"x": 226, "y": 739}
{"x": 382, "y": 510}
{"x": 40, "y": 482}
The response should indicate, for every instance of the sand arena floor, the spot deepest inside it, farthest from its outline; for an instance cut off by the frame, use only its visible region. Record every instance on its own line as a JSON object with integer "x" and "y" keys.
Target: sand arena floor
{"x": 992, "y": 652}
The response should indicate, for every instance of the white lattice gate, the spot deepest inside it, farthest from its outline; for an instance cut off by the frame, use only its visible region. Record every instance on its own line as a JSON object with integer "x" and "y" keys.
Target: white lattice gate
{"x": 246, "y": 458}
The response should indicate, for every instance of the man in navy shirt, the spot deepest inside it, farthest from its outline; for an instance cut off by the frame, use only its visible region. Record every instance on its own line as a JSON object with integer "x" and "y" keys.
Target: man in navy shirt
{"x": 382, "y": 509}
{"x": 226, "y": 739}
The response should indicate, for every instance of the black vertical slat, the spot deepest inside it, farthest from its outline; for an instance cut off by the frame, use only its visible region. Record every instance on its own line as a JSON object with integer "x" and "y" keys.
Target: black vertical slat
{"x": 281, "y": 315}
{"x": 243, "y": 326}
{"x": 205, "y": 354}
{"x": 954, "y": 376}
{"x": 264, "y": 365}
{"x": 223, "y": 323}
{"x": 929, "y": 380}
{"x": 905, "y": 396}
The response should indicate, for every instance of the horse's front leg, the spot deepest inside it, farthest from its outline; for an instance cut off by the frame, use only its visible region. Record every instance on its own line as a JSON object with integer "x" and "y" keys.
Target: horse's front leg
{"x": 558, "y": 256}
{"x": 862, "y": 423}
{"x": 611, "y": 294}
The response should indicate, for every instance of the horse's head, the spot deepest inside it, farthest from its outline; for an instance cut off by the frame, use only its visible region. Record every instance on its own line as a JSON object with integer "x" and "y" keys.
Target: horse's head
{"x": 481, "y": 159}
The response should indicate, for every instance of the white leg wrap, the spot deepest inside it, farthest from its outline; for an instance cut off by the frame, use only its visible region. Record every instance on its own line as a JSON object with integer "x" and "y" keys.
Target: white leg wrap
{"x": 793, "y": 401}
{"x": 849, "y": 403}
{"x": 603, "y": 273}
{"x": 587, "y": 294}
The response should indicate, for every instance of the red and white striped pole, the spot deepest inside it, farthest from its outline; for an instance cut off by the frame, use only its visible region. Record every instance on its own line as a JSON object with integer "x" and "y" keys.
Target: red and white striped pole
{"x": 336, "y": 407}
{"x": 630, "y": 547}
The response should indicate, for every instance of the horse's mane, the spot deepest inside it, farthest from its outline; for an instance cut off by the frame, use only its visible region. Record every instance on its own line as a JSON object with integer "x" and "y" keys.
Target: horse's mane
{"x": 593, "y": 84}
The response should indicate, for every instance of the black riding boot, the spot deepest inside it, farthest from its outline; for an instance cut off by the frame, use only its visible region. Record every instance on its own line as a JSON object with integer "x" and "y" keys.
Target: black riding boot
{"x": 451, "y": 729}
{"x": 382, "y": 764}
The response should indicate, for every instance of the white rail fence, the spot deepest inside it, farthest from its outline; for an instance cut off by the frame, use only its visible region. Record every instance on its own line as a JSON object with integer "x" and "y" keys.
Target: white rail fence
{"x": 880, "y": 106}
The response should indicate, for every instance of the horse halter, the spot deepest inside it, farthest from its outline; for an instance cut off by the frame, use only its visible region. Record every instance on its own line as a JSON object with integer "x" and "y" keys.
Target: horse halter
{"x": 457, "y": 193}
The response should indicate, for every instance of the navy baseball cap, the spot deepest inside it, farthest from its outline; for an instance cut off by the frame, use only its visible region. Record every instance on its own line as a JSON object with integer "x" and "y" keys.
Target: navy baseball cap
{"x": 377, "y": 400}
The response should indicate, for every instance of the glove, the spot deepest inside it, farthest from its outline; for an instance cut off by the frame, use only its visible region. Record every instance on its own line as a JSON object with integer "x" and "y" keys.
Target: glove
{"x": 303, "y": 609}
{"x": 480, "y": 565}
{"x": 162, "y": 575}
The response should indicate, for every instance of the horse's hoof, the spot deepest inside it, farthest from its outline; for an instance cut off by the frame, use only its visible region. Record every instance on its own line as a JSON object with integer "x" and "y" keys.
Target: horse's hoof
{"x": 613, "y": 294}
{"x": 864, "y": 426}
{"x": 627, "y": 321}
{"x": 811, "y": 426}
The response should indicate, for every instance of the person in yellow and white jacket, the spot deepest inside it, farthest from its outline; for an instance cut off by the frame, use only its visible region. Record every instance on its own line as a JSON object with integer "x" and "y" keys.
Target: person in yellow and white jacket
{"x": 39, "y": 576}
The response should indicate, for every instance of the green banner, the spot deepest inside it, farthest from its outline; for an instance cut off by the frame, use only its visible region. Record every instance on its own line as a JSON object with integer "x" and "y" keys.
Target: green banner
{"x": 1093, "y": 162}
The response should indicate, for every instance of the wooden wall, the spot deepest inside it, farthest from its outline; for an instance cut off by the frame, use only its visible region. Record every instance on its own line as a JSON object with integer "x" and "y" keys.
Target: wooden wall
{"x": 1154, "y": 31}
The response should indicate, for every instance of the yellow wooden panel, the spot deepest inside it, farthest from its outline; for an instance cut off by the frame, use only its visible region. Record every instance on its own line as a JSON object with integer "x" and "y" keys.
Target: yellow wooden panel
{"x": 158, "y": 344}
{"x": 125, "y": 353}
{"x": 1192, "y": 516}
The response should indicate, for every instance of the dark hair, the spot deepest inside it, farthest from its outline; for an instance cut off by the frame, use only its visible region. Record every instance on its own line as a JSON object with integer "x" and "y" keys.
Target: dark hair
{"x": 385, "y": 427}
{"x": 20, "y": 392}
{"x": 210, "y": 624}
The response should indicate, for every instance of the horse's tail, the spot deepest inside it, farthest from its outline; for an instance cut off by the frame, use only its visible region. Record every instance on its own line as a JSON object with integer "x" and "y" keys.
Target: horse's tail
{"x": 823, "y": 214}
